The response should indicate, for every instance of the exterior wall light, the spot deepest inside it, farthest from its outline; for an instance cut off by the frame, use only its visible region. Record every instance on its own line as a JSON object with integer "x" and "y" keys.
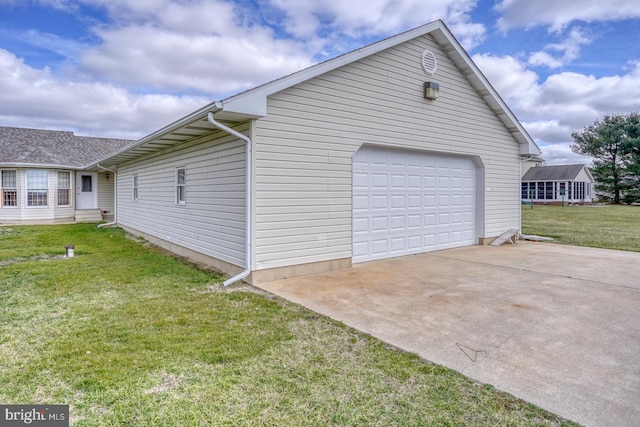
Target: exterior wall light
{"x": 107, "y": 176}
{"x": 431, "y": 90}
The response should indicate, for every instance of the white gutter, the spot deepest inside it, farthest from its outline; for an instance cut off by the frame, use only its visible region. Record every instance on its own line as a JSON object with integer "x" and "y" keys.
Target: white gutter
{"x": 40, "y": 166}
{"x": 115, "y": 198}
{"x": 245, "y": 138}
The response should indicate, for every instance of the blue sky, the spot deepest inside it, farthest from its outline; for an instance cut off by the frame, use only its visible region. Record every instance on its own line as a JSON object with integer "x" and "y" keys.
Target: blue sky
{"x": 125, "y": 68}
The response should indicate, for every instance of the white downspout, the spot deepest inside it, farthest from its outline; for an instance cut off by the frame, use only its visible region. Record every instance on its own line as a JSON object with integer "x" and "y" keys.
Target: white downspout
{"x": 245, "y": 138}
{"x": 115, "y": 198}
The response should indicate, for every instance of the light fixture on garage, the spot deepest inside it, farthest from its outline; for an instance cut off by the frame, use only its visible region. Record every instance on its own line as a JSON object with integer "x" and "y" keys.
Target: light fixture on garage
{"x": 431, "y": 90}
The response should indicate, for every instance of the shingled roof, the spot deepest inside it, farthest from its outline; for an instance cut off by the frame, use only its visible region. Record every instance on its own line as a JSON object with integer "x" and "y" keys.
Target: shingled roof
{"x": 21, "y": 146}
{"x": 553, "y": 173}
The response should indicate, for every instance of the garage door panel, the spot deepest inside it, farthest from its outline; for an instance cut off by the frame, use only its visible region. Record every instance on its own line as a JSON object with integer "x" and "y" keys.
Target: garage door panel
{"x": 398, "y": 201}
{"x": 360, "y": 225}
{"x": 407, "y": 202}
{"x": 398, "y": 222}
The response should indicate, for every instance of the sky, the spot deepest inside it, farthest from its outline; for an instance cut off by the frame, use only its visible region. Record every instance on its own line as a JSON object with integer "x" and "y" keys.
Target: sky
{"x": 125, "y": 68}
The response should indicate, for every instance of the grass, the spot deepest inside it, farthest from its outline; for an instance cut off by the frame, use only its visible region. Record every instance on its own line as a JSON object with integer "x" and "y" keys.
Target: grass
{"x": 608, "y": 227}
{"x": 129, "y": 336}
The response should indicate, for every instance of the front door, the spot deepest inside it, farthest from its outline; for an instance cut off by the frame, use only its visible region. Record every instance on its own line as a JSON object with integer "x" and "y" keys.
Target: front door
{"x": 86, "y": 190}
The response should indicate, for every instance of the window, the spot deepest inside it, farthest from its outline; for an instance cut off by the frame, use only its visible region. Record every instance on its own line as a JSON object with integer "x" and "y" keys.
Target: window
{"x": 540, "y": 194}
{"x": 9, "y": 188}
{"x": 134, "y": 187}
{"x": 181, "y": 186}
{"x": 64, "y": 188}
{"x": 37, "y": 188}
{"x": 580, "y": 190}
{"x": 549, "y": 190}
{"x": 525, "y": 190}
{"x": 561, "y": 190}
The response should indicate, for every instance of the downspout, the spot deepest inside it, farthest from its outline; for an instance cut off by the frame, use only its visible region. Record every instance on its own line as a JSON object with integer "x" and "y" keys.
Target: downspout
{"x": 115, "y": 198}
{"x": 245, "y": 138}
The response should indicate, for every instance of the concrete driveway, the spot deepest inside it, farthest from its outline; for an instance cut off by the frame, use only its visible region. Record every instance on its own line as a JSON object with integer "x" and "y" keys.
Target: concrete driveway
{"x": 558, "y": 326}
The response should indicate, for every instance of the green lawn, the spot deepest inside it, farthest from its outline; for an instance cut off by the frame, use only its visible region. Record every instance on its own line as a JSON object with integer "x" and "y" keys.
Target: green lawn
{"x": 128, "y": 336}
{"x": 609, "y": 227}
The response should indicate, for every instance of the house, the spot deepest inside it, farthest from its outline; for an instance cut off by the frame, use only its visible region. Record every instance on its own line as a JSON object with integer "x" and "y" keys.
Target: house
{"x": 530, "y": 162}
{"x": 44, "y": 179}
{"x": 558, "y": 184}
{"x": 397, "y": 148}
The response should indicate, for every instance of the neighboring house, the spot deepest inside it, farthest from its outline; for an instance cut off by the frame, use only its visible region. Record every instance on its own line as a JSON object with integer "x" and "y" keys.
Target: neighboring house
{"x": 397, "y": 148}
{"x": 44, "y": 179}
{"x": 530, "y": 162}
{"x": 559, "y": 184}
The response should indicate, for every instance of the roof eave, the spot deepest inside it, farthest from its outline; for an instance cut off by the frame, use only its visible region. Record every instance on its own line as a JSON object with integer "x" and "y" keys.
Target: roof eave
{"x": 145, "y": 144}
{"x": 253, "y": 103}
{"x": 39, "y": 166}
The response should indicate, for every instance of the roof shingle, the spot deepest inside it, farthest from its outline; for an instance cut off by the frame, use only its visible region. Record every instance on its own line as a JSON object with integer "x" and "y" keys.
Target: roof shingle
{"x": 53, "y": 147}
{"x": 553, "y": 173}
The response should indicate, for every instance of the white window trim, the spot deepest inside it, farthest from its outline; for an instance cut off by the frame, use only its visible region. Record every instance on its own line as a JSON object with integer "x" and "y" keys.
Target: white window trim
{"x": 135, "y": 185}
{"x": 26, "y": 190}
{"x": 68, "y": 189}
{"x": 183, "y": 186}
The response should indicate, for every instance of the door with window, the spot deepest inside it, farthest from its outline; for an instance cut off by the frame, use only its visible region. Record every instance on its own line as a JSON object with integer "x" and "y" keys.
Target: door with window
{"x": 86, "y": 190}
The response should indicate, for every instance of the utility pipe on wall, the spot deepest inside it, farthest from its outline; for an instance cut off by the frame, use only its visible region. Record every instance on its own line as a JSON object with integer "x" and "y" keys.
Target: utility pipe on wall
{"x": 115, "y": 198}
{"x": 245, "y": 138}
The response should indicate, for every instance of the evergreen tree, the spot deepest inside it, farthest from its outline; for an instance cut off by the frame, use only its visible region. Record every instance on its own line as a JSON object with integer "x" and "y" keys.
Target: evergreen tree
{"x": 614, "y": 142}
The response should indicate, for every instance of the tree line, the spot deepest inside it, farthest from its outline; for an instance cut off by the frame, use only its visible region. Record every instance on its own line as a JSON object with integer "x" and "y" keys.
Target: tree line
{"x": 614, "y": 143}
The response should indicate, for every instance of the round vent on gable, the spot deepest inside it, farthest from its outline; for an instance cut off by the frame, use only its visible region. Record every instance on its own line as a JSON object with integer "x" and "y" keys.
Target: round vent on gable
{"x": 429, "y": 62}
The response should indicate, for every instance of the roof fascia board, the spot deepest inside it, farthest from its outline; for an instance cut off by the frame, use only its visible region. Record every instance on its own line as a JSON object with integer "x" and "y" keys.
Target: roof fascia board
{"x": 39, "y": 165}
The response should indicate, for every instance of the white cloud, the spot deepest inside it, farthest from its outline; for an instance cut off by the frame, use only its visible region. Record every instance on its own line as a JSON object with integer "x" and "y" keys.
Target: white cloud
{"x": 193, "y": 47}
{"x": 558, "y": 14}
{"x": 200, "y": 63}
{"x": 35, "y": 98}
{"x": 563, "y": 103}
{"x": 568, "y": 50}
{"x": 362, "y": 18}
{"x": 550, "y": 131}
{"x": 510, "y": 77}
{"x": 561, "y": 154}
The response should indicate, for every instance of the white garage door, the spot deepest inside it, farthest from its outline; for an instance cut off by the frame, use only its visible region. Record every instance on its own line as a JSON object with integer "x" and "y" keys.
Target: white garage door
{"x": 407, "y": 202}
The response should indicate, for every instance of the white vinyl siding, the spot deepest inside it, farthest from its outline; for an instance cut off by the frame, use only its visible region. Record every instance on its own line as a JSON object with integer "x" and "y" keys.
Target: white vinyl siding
{"x": 213, "y": 220}
{"x": 303, "y": 155}
{"x": 43, "y": 188}
{"x": 106, "y": 194}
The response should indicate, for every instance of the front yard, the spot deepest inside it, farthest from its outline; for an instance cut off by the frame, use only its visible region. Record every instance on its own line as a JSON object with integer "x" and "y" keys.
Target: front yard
{"x": 128, "y": 336}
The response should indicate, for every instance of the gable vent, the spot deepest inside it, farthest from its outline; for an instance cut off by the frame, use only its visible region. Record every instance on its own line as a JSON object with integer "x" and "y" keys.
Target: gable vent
{"x": 429, "y": 62}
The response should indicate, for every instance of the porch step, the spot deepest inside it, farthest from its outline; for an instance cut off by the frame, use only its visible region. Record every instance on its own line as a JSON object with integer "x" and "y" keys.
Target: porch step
{"x": 89, "y": 215}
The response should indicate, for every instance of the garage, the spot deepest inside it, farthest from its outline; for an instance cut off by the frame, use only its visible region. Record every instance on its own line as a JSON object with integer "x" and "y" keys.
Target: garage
{"x": 407, "y": 202}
